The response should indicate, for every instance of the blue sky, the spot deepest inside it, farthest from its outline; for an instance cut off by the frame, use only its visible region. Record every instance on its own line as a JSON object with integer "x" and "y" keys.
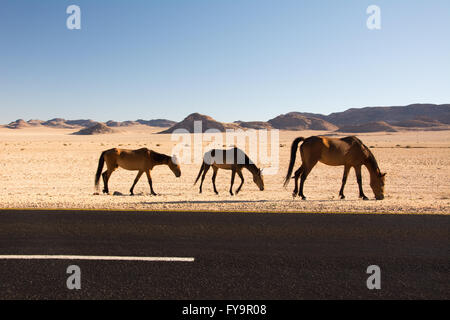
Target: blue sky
{"x": 231, "y": 59}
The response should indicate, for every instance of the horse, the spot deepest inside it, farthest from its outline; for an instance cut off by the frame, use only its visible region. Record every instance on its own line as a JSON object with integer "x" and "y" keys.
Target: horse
{"x": 142, "y": 160}
{"x": 232, "y": 159}
{"x": 349, "y": 152}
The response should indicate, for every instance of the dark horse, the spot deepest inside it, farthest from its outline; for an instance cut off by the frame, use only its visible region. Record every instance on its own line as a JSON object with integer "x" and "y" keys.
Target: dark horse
{"x": 142, "y": 160}
{"x": 232, "y": 159}
{"x": 348, "y": 152}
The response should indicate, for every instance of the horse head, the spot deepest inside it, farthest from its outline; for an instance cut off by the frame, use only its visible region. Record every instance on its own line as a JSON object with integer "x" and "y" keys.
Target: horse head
{"x": 258, "y": 179}
{"x": 377, "y": 185}
{"x": 174, "y": 165}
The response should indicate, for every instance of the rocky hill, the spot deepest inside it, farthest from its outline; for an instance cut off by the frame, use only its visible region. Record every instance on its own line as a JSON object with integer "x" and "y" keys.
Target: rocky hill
{"x": 98, "y": 128}
{"x": 18, "y": 124}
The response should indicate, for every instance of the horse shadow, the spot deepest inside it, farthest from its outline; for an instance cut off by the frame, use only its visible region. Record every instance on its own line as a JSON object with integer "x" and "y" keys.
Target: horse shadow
{"x": 204, "y": 202}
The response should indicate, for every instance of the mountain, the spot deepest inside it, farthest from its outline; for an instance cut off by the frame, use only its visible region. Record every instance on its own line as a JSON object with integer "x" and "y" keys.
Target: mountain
{"x": 416, "y": 116}
{"x": 298, "y": 121}
{"x": 98, "y": 128}
{"x": 206, "y": 124}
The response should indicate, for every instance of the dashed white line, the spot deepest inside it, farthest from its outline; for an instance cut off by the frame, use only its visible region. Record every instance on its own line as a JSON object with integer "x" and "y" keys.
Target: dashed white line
{"x": 98, "y": 258}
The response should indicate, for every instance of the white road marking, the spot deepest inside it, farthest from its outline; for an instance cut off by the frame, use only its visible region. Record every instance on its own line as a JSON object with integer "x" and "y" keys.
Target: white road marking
{"x": 104, "y": 258}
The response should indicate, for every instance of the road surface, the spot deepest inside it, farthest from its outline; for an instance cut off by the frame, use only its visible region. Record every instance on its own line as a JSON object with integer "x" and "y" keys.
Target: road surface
{"x": 234, "y": 255}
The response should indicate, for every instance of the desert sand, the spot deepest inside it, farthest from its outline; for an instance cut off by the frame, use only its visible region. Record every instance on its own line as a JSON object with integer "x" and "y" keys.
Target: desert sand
{"x": 51, "y": 168}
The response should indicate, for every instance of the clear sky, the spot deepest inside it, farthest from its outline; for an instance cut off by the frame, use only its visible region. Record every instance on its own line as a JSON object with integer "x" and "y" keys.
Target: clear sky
{"x": 231, "y": 59}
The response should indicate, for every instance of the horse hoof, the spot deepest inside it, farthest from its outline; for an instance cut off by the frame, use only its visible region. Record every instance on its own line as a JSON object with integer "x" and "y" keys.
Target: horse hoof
{"x": 342, "y": 197}
{"x": 303, "y": 198}
{"x": 365, "y": 198}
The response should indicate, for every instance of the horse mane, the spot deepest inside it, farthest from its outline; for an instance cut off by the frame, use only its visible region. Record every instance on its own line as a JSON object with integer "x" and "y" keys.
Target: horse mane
{"x": 252, "y": 167}
{"x": 158, "y": 157}
{"x": 248, "y": 163}
{"x": 370, "y": 157}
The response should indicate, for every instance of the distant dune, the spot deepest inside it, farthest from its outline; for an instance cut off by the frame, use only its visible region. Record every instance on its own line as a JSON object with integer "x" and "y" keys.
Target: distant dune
{"x": 59, "y": 123}
{"x": 163, "y": 123}
{"x": 207, "y": 123}
{"x": 35, "y": 123}
{"x": 256, "y": 125}
{"x": 378, "y": 126}
{"x": 390, "y": 115}
{"x": 297, "y": 121}
{"x": 419, "y": 123}
{"x": 98, "y": 128}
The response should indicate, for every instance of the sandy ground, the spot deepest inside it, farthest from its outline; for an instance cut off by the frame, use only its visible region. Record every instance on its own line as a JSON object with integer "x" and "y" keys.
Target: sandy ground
{"x": 50, "y": 168}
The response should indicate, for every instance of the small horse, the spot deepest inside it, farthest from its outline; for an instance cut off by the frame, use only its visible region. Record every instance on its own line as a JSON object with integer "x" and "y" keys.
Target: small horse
{"x": 349, "y": 152}
{"x": 232, "y": 159}
{"x": 142, "y": 160}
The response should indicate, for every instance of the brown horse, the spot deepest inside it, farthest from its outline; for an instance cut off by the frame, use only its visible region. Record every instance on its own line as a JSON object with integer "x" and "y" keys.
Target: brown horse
{"x": 348, "y": 152}
{"x": 232, "y": 159}
{"x": 142, "y": 160}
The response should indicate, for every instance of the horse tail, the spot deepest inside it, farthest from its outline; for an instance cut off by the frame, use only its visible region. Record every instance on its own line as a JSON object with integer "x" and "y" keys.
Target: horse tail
{"x": 101, "y": 162}
{"x": 200, "y": 172}
{"x": 294, "y": 149}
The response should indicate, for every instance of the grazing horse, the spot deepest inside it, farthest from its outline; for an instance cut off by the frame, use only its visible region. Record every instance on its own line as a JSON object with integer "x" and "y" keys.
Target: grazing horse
{"x": 348, "y": 152}
{"x": 142, "y": 160}
{"x": 232, "y": 159}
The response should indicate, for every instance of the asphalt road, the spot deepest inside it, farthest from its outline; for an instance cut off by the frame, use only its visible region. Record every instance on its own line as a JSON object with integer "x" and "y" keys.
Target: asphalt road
{"x": 237, "y": 255}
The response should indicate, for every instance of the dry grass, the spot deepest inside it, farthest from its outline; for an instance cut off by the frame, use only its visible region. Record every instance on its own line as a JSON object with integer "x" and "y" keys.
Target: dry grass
{"x": 49, "y": 168}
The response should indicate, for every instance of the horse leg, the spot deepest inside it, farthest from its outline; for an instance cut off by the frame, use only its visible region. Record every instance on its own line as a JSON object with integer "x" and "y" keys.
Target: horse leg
{"x": 344, "y": 181}
{"x": 136, "y": 181}
{"x": 205, "y": 170}
{"x": 106, "y": 175}
{"x": 296, "y": 177}
{"x": 214, "y": 179}
{"x": 233, "y": 175}
{"x": 239, "y": 172}
{"x": 306, "y": 171}
{"x": 359, "y": 180}
{"x": 105, "y": 182}
{"x": 149, "y": 177}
